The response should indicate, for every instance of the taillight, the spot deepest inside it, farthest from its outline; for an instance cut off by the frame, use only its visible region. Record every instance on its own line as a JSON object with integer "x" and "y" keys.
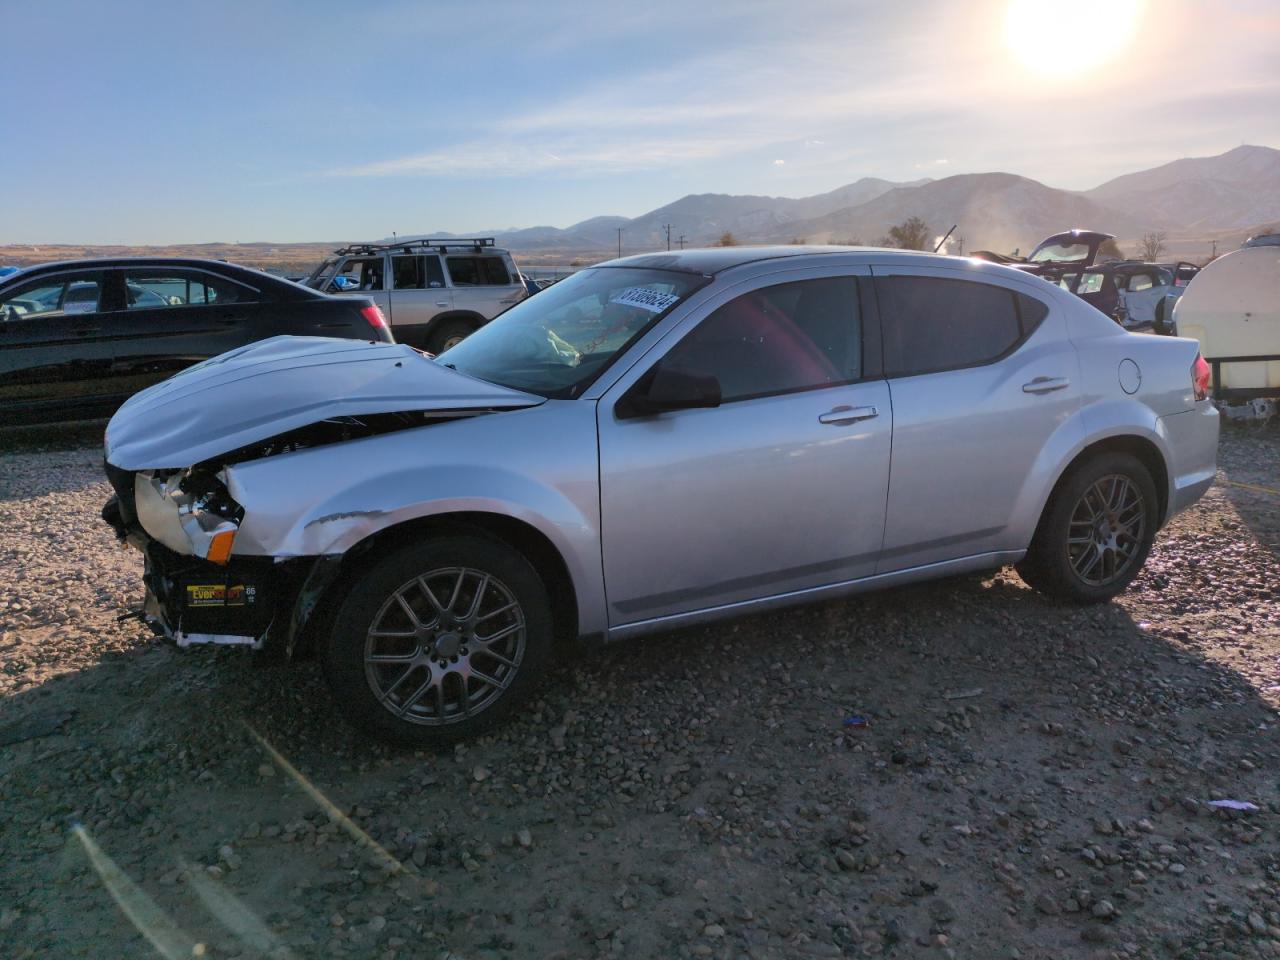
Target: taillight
{"x": 1201, "y": 377}
{"x": 374, "y": 316}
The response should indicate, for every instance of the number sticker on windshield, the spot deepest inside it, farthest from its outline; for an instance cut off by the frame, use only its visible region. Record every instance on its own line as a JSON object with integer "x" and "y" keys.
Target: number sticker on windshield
{"x": 645, "y": 299}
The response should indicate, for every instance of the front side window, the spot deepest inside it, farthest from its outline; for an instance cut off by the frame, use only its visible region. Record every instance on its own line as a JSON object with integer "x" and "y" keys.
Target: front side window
{"x": 478, "y": 271}
{"x": 556, "y": 343}
{"x": 147, "y": 289}
{"x": 1139, "y": 282}
{"x": 358, "y": 274}
{"x": 63, "y": 295}
{"x": 932, "y": 324}
{"x": 781, "y": 339}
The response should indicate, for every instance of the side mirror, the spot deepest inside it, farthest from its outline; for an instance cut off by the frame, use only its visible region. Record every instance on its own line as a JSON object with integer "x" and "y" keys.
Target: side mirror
{"x": 664, "y": 390}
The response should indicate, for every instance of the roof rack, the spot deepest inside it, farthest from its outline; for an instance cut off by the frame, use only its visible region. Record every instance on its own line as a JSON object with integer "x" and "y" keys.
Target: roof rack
{"x": 421, "y": 244}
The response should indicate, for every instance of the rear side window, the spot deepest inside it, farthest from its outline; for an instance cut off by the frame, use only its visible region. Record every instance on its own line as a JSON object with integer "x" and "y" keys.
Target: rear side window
{"x": 1139, "y": 282}
{"x": 931, "y": 324}
{"x": 147, "y": 288}
{"x": 478, "y": 272}
{"x": 413, "y": 272}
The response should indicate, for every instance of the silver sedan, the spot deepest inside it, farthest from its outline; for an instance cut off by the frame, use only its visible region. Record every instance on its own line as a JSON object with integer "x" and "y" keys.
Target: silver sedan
{"x": 653, "y": 442}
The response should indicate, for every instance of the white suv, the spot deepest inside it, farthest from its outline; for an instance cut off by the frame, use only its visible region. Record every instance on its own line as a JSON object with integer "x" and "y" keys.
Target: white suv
{"x": 434, "y": 293}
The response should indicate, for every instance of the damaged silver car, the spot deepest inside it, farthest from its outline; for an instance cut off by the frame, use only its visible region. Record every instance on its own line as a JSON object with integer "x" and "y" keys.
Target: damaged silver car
{"x": 657, "y": 441}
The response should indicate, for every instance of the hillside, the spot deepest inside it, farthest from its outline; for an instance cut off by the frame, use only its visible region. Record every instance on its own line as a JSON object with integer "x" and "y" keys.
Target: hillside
{"x": 998, "y": 211}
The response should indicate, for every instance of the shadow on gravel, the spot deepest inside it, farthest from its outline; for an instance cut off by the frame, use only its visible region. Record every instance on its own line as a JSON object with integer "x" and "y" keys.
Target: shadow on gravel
{"x": 72, "y": 435}
{"x": 1024, "y": 763}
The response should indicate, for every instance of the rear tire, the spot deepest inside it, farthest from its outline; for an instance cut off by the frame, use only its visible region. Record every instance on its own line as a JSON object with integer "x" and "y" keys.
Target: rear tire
{"x": 447, "y": 334}
{"x": 1096, "y": 531}
{"x": 439, "y": 641}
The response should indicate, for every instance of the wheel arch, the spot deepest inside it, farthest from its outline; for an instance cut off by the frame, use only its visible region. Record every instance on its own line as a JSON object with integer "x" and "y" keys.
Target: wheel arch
{"x": 323, "y": 600}
{"x": 1143, "y": 448}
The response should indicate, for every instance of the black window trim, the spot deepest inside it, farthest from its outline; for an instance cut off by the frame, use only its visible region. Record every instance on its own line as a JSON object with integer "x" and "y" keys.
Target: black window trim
{"x": 872, "y": 346}
{"x": 121, "y": 270}
{"x": 103, "y": 279}
{"x": 1014, "y": 292}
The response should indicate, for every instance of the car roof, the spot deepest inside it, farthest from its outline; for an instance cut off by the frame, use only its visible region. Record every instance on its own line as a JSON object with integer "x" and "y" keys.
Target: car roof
{"x": 710, "y": 261}
{"x": 244, "y": 274}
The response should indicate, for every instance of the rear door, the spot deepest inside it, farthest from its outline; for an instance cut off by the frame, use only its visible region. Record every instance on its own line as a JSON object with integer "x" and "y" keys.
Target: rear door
{"x": 980, "y": 375}
{"x": 418, "y": 293}
{"x": 174, "y": 317}
{"x": 483, "y": 283}
{"x": 54, "y": 350}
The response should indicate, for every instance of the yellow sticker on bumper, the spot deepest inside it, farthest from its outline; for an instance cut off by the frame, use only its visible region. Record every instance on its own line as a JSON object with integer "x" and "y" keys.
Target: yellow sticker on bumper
{"x": 218, "y": 595}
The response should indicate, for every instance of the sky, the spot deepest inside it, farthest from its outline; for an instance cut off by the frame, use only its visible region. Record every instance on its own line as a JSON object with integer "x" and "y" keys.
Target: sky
{"x": 180, "y": 122}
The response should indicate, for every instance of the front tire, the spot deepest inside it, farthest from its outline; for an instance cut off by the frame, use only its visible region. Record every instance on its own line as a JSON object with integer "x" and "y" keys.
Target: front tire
{"x": 1096, "y": 531}
{"x": 439, "y": 641}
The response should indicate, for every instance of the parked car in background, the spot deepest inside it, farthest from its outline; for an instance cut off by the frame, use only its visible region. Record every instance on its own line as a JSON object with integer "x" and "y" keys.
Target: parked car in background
{"x": 433, "y": 292}
{"x": 1131, "y": 292}
{"x": 658, "y": 441}
{"x": 1232, "y": 308}
{"x": 77, "y": 338}
{"x": 1071, "y": 249}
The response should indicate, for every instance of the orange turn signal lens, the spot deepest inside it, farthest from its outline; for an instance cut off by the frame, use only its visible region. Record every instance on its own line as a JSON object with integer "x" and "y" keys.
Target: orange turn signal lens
{"x": 220, "y": 547}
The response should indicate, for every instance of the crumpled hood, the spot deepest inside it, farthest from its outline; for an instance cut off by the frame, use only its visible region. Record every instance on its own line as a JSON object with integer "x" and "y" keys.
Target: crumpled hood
{"x": 280, "y": 384}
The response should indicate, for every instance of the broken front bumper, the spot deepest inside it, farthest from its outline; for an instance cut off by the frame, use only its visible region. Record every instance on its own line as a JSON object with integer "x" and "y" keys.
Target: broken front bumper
{"x": 192, "y": 601}
{"x": 253, "y": 601}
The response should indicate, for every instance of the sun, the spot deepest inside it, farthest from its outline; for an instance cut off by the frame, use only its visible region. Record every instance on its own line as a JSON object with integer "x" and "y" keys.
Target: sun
{"x": 1068, "y": 39}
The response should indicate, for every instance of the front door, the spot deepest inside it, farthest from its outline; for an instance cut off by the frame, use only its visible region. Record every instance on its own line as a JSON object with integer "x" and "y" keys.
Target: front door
{"x": 54, "y": 352}
{"x": 981, "y": 376}
{"x": 364, "y": 276}
{"x": 780, "y": 488}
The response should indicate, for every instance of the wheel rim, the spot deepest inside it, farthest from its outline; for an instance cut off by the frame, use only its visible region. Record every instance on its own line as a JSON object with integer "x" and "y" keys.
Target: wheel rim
{"x": 452, "y": 342}
{"x": 1106, "y": 530}
{"x": 445, "y": 646}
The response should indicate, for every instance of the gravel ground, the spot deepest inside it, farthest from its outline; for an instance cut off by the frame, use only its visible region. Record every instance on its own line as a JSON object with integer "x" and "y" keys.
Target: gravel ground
{"x": 1034, "y": 781}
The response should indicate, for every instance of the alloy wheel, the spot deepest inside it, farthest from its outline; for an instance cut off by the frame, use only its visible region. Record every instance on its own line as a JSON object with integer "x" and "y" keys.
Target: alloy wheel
{"x": 445, "y": 646}
{"x": 1106, "y": 530}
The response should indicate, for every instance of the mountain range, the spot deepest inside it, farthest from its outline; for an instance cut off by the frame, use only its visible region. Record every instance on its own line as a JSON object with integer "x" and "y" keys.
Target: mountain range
{"x": 1193, "y": 198}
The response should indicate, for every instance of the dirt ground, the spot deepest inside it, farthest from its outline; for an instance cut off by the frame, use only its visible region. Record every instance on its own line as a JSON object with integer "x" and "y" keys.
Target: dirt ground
{"x": 1034, "y": 781}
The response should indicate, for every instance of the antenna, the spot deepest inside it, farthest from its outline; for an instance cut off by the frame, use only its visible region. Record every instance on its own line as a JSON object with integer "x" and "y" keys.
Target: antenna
{"x": 944, "y": 237}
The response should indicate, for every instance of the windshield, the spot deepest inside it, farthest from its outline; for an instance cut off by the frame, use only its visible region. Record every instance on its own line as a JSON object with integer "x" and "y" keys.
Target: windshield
{"x": 1059, "y": 252}
{"x": 556, "y": 343}
{"x": 315, "y": 277}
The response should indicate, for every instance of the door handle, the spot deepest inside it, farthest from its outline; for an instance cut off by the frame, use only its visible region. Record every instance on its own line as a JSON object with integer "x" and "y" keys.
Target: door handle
{"x": 1046, "y": 385}
{"x": 230, "y": 321}
{"x": 846, "y": 414}
{"x": 85, "y": 331}
{"x": 442, "y": 303}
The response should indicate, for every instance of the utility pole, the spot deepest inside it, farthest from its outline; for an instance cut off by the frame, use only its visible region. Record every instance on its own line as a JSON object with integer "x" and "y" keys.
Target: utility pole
{"x": 1215, "y": 250}
{"x": 667, "y": 227}
{"x": 619, "y": 229}
{"x": 680, "y": 241}
{"x": 960, "y": 246}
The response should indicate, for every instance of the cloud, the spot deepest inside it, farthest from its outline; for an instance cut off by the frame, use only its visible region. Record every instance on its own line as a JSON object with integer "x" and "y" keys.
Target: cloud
{"x": 880, "y": 104}
{"x": 779, "y": 163}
